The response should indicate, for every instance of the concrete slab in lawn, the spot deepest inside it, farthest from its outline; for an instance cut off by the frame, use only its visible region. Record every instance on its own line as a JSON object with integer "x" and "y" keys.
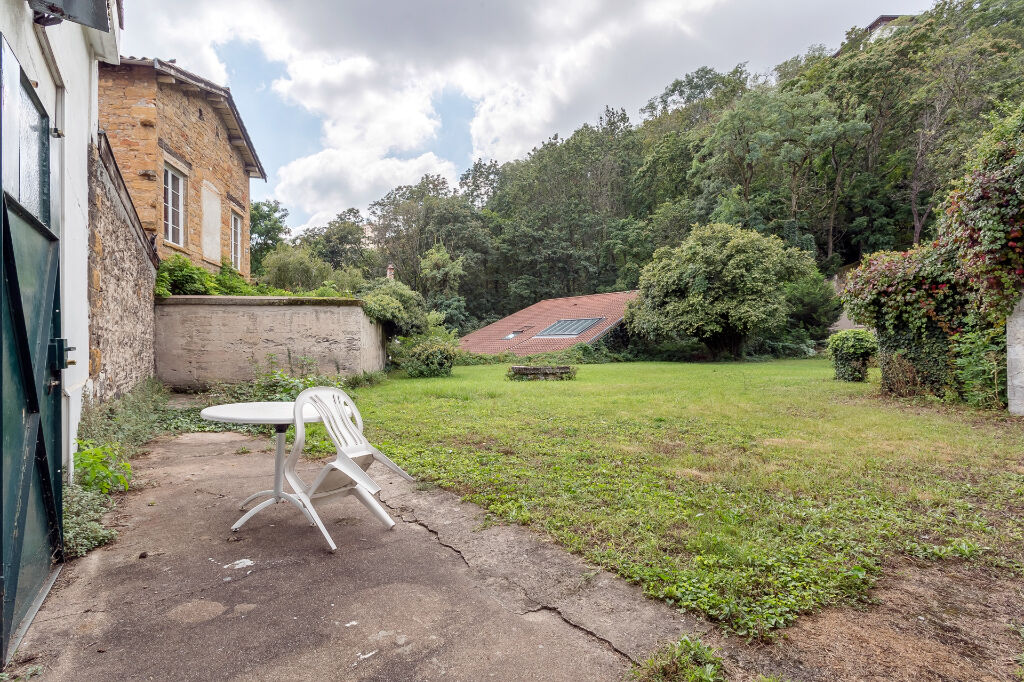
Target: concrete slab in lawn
{"x": 179, "y": 596}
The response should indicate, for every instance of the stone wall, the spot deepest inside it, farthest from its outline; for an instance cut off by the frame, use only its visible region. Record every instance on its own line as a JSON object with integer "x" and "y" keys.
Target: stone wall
{"x": 1015, "y": 360}
{"x": 202, "y": 340}
{"x": 122, "y": 271}
{"x": 152, "y": 124}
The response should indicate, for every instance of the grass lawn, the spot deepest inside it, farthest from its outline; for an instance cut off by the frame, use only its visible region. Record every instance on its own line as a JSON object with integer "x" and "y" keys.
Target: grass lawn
{"x": 750, "y": 493}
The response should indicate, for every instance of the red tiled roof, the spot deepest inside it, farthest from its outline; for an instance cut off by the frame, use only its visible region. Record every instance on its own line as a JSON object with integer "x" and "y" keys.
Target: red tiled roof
{"x": 539, "y": 316}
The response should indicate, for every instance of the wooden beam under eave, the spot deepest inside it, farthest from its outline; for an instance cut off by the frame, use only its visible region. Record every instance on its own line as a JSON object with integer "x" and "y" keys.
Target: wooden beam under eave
{"x": 188, "y": 87}
{"x": 237, "y": 141}
{"x": 166, "y": 79}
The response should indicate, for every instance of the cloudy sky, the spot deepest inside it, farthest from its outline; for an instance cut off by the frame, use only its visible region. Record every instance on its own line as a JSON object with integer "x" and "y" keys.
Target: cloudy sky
{"x": 345, "y": 99}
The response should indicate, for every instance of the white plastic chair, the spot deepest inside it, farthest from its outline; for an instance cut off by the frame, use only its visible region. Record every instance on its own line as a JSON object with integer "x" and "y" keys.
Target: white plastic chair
{"x": 346, "y": 474}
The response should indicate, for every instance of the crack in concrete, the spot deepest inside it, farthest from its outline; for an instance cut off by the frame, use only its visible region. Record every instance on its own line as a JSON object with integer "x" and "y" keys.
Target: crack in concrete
{"x": 540, "y": 604}
{"x": 607, "y": 642}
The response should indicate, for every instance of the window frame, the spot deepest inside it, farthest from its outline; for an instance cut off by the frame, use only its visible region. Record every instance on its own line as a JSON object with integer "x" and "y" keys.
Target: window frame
{"x": 171, "y": 172}
{"x": 235, "y": 242}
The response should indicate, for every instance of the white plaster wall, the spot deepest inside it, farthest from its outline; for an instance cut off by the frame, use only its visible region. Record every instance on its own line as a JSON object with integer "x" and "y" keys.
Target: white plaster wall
{"x": 1015, "y": 360}
{"x": 67, "y": 89}
{"x": 201, "y": 340}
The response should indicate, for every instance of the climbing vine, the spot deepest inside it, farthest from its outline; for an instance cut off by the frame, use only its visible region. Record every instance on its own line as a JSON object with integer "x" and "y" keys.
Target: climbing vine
{"x": 932, "y": 304}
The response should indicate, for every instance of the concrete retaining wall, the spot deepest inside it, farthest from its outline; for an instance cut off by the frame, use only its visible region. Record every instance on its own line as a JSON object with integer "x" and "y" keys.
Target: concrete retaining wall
{"x": 202, "y": 340}
{"x": 1015, "y": 360}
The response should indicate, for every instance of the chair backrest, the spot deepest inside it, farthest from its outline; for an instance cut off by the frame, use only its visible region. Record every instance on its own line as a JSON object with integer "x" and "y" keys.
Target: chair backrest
{"x": 340, "y": 417}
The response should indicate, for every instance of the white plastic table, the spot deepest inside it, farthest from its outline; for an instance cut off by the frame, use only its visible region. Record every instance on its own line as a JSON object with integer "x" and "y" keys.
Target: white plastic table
{"x": 280, "y": 415}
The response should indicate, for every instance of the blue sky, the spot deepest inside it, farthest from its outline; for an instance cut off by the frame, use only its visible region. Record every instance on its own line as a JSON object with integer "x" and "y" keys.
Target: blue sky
{"x": 345, "y": 99}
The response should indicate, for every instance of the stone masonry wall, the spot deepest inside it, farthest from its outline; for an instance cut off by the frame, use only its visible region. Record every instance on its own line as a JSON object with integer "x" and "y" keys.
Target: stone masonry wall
{"x": 202, "y": 340}
{"x": 1015, "y": 360}
{"x": 121, "y": 278}
{"x": 151, "y": 124}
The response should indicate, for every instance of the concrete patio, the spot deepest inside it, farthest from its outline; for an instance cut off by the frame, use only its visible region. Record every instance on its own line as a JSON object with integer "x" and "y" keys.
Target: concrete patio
{"x": 178, "y": 596}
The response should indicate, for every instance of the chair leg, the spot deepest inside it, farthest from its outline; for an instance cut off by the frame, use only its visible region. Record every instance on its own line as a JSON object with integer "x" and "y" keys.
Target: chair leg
{"x": 374, "y": 506}
{"x": 308, "y": 503}
{"x": 386, "y": 461}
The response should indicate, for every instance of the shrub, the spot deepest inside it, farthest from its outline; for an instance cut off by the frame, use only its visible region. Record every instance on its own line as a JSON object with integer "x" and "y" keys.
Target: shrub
{"x": 294, "y": 269}
{"x": 101, "y": 468}
{"x": 231, "y": 283}
{"x": 813, "y": 306}
{"x": 430, "y": 359}
{"x": 721, "y": 286}
{"x": 399, "y": 309}
{"x": 850, "y": 350}
{"x": 178, "y": 275}
{"x": 83, "y": 527}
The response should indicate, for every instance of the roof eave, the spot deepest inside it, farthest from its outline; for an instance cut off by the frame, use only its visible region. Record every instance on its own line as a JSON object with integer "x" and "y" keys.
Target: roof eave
{"x": 218, "y": 95}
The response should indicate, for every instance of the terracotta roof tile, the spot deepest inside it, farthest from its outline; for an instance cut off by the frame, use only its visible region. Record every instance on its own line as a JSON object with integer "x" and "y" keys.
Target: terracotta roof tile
{"x": 539, "y": 316}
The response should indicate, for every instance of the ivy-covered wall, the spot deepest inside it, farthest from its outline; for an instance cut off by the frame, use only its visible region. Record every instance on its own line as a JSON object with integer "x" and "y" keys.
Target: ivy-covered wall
{"x": 943, "y": 310}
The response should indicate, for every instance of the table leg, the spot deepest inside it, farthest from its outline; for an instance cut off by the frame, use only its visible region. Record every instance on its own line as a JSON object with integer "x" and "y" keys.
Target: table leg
{"x": 277, "y": 494}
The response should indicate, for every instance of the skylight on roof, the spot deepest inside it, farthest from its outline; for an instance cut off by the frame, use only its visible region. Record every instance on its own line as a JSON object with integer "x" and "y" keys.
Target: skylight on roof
{"x": 564, "y": 329}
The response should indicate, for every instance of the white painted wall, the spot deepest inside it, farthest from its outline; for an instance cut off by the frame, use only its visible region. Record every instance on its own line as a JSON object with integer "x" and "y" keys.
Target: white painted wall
{"x": 68, "y": 89}
{"x": 1015, "y": 360}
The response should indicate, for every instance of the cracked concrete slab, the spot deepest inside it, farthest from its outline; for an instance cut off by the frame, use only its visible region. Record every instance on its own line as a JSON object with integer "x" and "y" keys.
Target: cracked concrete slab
{"x": 178, "y": 596}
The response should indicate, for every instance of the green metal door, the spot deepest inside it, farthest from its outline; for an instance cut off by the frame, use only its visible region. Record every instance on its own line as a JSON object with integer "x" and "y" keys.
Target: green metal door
{"x": 32, "y": 355}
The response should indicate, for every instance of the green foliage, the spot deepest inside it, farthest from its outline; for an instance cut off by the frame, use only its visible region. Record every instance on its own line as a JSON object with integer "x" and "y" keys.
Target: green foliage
{"x": 177, "y": 275}
{"x": 980, "y": 359}
{"x": 128, "y": 421}
{"x": 430, "y": 359}
{"x": 83, "y": 520}
{"x": 101, "y": 468}
{"x": 722, "y": 285}
{"x": 851, "y": 349}
{"x": 229, "y": 282}
{"x": 267, "y": 229}
{"x": 340, "y": 243}
{"x": 813, "y": 306}
{"x": 399, "y": 309}
{"x": 839, "y": 155}
{"x": 294, "y": 269}
{"x": 941, "y": 307}
{"x": 688, "y": 660}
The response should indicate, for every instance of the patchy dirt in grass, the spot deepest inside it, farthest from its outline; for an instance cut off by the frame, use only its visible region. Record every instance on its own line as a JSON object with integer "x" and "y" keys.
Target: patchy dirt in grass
{"x": 945, "y": 621}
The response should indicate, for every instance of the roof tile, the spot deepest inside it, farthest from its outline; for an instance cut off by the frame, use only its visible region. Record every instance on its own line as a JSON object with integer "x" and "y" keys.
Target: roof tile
{"x": 530, "y": 321}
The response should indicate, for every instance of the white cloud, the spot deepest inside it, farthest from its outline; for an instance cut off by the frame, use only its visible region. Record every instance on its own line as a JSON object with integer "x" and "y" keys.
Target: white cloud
{"x": 372, "y": 71}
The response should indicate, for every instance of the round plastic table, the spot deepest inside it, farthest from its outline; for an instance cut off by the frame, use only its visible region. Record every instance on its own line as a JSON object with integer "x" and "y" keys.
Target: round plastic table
{"x": 280, "y": 415}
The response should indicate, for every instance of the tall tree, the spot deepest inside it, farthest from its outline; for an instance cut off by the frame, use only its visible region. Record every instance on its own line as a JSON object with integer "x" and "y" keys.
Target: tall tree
{"x": 267, "y": 229}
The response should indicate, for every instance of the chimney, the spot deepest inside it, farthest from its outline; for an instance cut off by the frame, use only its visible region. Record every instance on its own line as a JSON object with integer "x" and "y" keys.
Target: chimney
{"x": 391, "y": 270}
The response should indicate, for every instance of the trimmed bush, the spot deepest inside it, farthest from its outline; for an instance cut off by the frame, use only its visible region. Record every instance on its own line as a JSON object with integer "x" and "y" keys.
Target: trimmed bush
{"x": 430, "y": 359}
{"x": 850, "y": 350}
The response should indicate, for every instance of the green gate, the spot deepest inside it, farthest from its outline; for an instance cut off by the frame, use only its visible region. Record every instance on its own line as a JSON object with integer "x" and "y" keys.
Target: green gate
{"x": 32, "y": 356}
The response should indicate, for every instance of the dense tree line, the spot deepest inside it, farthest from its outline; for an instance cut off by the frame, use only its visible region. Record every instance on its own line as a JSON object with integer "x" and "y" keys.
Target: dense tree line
{"x": 838, "y": 155}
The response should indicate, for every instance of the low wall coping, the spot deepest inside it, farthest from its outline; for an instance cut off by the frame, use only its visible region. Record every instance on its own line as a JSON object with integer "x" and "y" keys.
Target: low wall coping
{"x": 258, "y": 300}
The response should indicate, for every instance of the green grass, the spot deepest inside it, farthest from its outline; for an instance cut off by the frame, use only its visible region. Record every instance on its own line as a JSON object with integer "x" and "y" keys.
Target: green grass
{"x": 748, "y": 492}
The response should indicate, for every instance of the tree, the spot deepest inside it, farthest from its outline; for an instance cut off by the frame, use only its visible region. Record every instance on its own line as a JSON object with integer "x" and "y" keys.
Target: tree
{"x": 341, "y": 242}
{"x": 267, "y": 229}
{"x": 721, "y": 285}
{"x": 294, "y": 269}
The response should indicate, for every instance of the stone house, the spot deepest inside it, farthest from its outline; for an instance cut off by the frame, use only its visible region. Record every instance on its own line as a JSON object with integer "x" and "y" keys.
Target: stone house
{"x": 185, "y": 156}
